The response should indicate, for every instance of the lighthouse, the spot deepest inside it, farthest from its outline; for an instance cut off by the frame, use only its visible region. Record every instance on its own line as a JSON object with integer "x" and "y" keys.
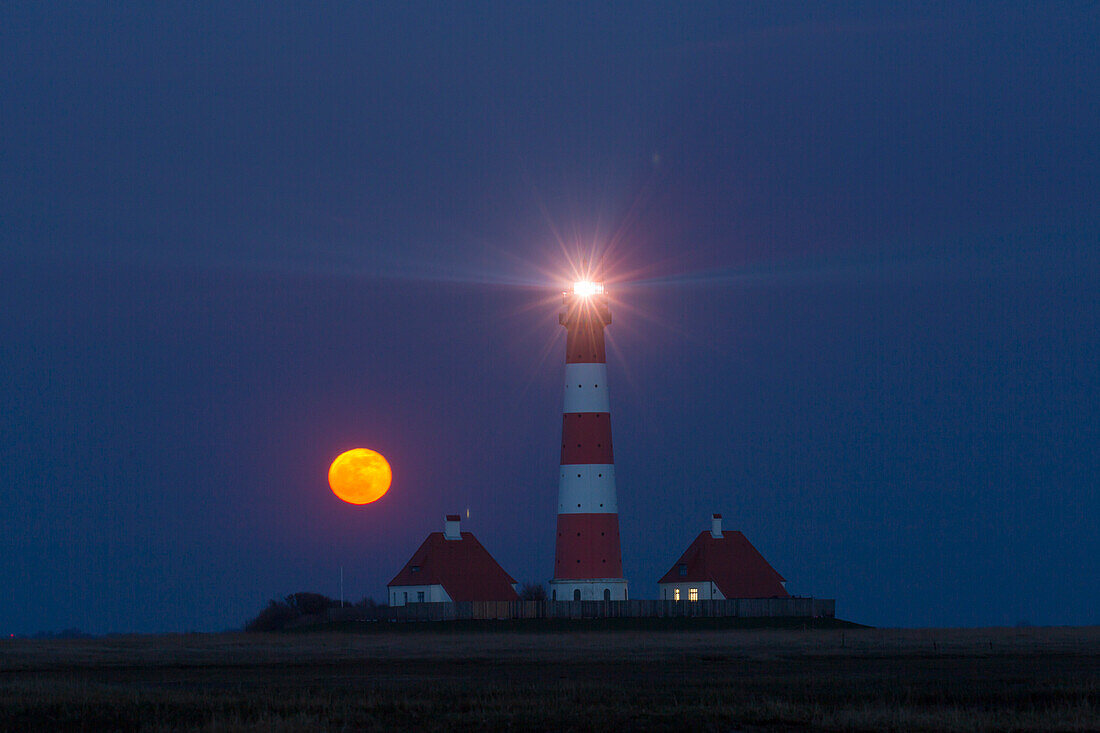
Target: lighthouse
{"x": 588, "y": 562}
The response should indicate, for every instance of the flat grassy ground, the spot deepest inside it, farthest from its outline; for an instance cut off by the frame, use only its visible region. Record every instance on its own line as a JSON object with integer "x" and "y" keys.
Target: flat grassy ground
{"x": 538, "y": 678}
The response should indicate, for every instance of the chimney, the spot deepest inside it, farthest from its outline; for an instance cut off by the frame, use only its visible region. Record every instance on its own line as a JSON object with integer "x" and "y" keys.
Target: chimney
{"x": 451, "y": 527}
{"x": 716, "y": 526}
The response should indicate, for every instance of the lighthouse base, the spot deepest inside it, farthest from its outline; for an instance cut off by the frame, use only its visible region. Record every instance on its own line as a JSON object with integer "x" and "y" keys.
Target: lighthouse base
{"x": 588, "y": 589}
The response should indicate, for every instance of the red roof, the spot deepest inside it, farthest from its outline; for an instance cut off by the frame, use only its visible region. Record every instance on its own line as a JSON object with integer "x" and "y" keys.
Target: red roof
{"x": 731, "y": 563}
{"x": 463, "y": 567}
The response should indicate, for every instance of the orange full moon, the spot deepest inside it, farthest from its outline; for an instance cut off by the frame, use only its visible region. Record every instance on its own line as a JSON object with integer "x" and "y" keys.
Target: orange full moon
{"x": 360, "y": 476}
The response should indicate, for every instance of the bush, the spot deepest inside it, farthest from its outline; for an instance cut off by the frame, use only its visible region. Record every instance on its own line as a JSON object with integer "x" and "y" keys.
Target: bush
{"x": 280, "y": 613}
{"x": 308, "y": 604}
{"x": 532, "y": 592}
{"x": 272, "y": 618}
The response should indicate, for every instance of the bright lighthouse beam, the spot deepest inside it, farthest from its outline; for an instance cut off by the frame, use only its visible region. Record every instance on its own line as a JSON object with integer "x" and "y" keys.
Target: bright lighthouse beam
{"x": 586, "y": 288}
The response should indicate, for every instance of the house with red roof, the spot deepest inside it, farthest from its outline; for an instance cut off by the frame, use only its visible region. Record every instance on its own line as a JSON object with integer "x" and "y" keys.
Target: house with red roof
{"x": 721, "y": 565}
{"x": 451, "y": 566}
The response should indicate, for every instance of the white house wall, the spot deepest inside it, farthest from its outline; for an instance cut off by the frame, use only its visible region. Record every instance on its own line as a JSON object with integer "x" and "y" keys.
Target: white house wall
{"x": 403, "y": 594}
{"x": 707, "y": 591}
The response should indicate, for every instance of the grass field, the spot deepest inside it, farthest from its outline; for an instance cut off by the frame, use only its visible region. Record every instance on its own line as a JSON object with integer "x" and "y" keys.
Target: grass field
{"x": 549, "y": 678}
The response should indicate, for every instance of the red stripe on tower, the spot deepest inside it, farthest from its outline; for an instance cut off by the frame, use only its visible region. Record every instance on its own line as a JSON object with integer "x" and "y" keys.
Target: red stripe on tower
{"x": 588, "y": 563}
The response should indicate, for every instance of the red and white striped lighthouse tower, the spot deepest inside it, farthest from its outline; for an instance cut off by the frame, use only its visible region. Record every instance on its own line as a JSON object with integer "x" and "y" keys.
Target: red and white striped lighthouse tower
{"x": 588, "y": 563}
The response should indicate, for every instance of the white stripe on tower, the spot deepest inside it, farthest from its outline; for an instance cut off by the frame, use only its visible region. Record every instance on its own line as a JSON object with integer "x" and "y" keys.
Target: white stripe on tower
{"x": 587, "y": 488}
{"x": 586, "y": 388}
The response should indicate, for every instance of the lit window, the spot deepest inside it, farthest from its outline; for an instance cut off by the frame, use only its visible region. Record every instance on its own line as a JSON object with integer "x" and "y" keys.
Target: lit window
{"x": 675, "y": 594}
{"x": 693, "y": 594}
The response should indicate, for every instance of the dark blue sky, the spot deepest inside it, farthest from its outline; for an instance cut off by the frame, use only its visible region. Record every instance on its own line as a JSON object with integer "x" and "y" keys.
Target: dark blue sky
{"x": 856, "y": 256}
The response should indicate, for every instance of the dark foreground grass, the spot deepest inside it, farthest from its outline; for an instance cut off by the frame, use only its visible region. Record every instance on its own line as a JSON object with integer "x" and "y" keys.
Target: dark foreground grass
{"x": 1034, "y": 679}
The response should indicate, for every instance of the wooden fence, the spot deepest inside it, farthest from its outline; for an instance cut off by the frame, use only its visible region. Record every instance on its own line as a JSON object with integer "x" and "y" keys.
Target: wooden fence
{"x": 484, "y": 610}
